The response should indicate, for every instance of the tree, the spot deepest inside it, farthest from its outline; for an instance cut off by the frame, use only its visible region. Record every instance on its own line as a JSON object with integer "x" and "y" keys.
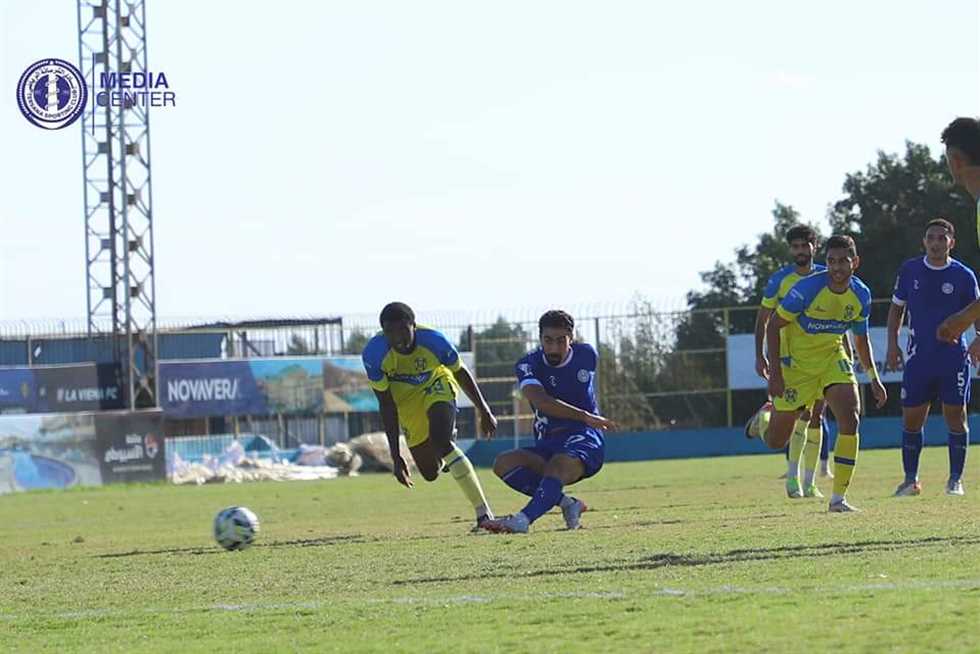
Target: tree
{"x": 496, "y": 348}
{"x": 355, "y": 341}
{"x": 886, "y": 207}
{"x": 298, "y": 345}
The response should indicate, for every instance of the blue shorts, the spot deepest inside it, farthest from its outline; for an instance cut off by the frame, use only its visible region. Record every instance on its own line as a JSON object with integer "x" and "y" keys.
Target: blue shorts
{"x": 925, "y": 379}
{"x": 587, "y": 445}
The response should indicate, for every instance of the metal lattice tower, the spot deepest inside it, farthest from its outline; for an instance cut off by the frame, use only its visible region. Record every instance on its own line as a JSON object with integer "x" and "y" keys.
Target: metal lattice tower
{"x": 118, "y": 209}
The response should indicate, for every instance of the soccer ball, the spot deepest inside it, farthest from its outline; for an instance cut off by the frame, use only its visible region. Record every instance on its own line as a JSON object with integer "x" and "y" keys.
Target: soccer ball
{"x": 235, "y": 527}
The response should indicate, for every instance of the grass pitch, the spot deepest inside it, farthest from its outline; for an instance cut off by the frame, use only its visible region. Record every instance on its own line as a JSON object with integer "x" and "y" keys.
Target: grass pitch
{"x": 703, "y": 555}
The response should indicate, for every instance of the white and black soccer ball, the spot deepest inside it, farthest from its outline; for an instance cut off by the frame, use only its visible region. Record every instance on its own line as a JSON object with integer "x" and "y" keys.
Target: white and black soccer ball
{"x": 235, "y": 527}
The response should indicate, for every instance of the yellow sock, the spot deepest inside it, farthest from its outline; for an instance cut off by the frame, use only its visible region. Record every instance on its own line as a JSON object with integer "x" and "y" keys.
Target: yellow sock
{"x": 796, "y": 443}
{"x": 462, "y": 471}
{"x": 814, "y": 438}
{"x": 845, "y": 458}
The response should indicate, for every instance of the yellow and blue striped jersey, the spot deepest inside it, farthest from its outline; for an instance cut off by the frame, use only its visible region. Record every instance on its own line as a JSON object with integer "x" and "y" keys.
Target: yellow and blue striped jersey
{"x": 405, "y": 375}
{"x": 819, "y": 318}
{"x": 781, "y": 281}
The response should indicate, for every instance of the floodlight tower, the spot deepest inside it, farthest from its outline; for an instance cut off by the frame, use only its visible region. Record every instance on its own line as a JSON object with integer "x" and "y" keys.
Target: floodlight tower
{"x": 118, "y": 208}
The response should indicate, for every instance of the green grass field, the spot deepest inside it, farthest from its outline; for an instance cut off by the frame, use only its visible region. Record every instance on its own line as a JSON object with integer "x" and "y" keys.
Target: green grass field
{"x": 698, "y": 555}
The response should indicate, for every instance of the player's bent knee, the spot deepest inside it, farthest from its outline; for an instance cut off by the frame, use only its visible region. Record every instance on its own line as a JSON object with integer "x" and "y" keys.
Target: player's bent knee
{"x": 503, "y": 464}
{"x": 848, "y": 423}
{"x": 429, "y": 474}
{"x": 568, "y": 469}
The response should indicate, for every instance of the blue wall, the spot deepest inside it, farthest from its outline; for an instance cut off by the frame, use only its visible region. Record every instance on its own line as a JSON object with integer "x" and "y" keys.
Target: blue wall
{"x": 683, "y": 444}
{"x": 100, "y": 349}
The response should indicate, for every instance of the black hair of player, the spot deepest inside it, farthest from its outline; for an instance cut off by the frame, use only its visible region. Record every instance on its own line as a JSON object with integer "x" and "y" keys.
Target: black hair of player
{"x": 801, "y": 233}
{"x": 558, "y": 319}
{"x": 842, "y": 241}
{"x": 396, "y": 311}
{"x": 964, "y": 135}
{"x": 942, "y": 222}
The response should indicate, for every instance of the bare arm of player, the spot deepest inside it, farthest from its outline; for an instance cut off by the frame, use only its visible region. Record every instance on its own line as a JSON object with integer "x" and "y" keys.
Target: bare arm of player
{"x": 950, "y": 329}
{"x": 389, "y": 419}
{"x": 548, "y": 405}
{"x": 893, "y": 356}
{"x": 973, "y": 351}
{"x": 776, "y": 384}
{"x": 488, "y": 423}
{"x": 761, "y": 362}
{"x": 863, "y": 346}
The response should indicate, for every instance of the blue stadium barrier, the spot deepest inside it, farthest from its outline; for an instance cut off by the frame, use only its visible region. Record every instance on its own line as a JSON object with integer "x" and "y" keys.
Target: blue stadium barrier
{"x": 876, "y": 433}
{"x": 53, "y": 351}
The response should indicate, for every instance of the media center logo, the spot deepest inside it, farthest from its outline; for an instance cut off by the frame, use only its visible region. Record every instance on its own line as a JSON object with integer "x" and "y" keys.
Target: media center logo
{"x": 52, "y": 93}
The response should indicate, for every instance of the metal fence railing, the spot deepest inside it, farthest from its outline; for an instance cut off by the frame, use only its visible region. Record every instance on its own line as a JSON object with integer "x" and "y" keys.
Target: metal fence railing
{"x": 661, "y": 366}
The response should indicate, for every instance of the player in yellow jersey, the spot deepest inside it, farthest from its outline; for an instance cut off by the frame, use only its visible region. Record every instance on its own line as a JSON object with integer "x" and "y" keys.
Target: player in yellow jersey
{"x": 807, "y": 439}
{"x": 817, "y": 312}
{"x": 962, "y": 140}
{"x": 415, "y": 372}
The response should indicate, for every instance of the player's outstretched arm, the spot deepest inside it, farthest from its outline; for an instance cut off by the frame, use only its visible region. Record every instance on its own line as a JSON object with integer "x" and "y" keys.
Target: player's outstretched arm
{"x": 556, "y": 408}
{"x": 389, "y": 419}
{"x": 950, "y": 329}
{"x": 863, "y": 346}
{"x": 488, "y": 423}
{"x": 893, "y": 356}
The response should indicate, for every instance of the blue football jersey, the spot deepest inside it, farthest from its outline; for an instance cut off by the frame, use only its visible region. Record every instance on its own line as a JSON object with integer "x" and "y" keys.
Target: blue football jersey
{"x": 931, "y": 295}
{"x": 572, "y": 382}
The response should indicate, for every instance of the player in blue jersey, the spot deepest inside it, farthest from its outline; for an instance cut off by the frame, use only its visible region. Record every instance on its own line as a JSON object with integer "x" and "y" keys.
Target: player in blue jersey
{"x": 817, "y": 313}
{"x": 558, "y": 379}
{"x": 931, "y": 288}
{"x": 415, "y": 371}
{"x": 962, "y": 140}
{"x": 807, "y": 440}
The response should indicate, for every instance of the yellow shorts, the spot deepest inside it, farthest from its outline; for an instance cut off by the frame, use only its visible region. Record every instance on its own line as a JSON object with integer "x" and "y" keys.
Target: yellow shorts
{"x": 413, "y": 412}
{"x": 805, "y": 385}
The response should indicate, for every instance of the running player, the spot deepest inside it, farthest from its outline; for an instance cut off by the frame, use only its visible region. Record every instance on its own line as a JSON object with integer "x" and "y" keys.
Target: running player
{"x": 932, "y": 287}
{"x": 807, "y": 433}
{"x": 415, "y": 372}
{"x": 558, "y": 379}
{"x": 819, "y": 310}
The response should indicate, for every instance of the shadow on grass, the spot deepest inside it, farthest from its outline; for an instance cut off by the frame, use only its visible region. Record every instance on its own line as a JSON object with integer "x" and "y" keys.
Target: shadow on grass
{"x": 663, "y": 560}
{"x": 300, "y": 542}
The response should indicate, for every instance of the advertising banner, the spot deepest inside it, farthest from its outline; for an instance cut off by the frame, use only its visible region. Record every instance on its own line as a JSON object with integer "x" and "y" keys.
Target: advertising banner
{"x": 260, "y": 387}
{"x": 130, "y": 446}
{"x": 80, "y": 449}
{"x": 62, "y": 389}
{"x": 48, "y": 451}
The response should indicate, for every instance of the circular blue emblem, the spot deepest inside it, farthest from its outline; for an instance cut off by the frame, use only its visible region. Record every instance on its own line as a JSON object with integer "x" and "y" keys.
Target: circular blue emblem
{"x": 51, "y": 93}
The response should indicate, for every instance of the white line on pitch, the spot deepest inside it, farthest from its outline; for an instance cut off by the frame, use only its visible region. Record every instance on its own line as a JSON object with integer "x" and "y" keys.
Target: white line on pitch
{"x": 260, "y": 607}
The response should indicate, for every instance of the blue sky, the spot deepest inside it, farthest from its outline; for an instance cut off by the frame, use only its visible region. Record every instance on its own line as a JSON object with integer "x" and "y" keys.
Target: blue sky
{"x": 327, "y": 157}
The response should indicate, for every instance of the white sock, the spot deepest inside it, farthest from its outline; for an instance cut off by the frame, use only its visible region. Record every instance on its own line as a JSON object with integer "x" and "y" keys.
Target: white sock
{"x": 808, "y": 477}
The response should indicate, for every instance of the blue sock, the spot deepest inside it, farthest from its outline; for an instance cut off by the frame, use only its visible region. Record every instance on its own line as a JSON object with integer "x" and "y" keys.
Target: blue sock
{"x": 911, "y": 449}
{"x": 524, "y": 481}
{"x": 825, "y": 445}
{"x": 545, "y": 497}
{"x": 957, "y": 454}
{"x": 786, "y": 452}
